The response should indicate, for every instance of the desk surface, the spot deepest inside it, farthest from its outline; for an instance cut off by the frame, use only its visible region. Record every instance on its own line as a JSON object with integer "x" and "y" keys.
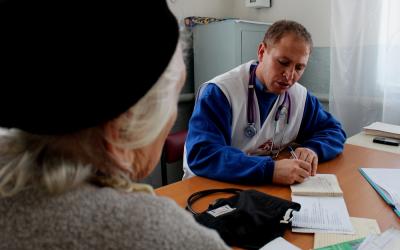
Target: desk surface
{"x": 361, "y": 199}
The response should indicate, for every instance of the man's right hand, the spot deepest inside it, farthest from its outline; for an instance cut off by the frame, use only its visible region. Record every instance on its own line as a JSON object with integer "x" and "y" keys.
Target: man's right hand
{"x": 290, "y": 171}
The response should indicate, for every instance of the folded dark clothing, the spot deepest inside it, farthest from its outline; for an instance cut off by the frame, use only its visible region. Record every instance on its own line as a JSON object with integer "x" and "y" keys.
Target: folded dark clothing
{"x": 192, "y": 21}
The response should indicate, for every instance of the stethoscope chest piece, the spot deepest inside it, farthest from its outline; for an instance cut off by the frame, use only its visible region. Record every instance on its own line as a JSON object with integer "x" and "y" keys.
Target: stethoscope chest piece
{"x": 250, "y": 130}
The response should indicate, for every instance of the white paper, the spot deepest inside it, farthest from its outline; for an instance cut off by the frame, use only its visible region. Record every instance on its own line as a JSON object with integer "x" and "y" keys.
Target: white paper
{"x": 279, "y": 243}
{"x": 327, "y": 213}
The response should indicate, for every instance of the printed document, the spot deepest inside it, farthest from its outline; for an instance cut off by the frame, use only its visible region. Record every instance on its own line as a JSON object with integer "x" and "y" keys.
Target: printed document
{"x": 322, "y": 213}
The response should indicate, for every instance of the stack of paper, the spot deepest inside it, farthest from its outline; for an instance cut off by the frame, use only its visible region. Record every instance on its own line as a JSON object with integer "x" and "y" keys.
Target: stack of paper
{"x": 383, "y": 129}
{"x": 322, "y": 206}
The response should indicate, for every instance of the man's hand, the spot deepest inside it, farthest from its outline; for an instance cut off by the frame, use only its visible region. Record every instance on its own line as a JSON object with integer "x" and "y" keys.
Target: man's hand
{"x": 289, "y": 171}
{"x": 309, "y": 156}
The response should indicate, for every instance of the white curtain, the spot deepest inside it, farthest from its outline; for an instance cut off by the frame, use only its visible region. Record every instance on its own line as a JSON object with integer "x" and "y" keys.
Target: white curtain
{"x": 365, "y": 62}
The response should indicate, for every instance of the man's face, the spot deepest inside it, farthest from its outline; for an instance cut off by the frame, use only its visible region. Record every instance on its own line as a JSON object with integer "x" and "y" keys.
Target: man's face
{"x": 283, "y": 63}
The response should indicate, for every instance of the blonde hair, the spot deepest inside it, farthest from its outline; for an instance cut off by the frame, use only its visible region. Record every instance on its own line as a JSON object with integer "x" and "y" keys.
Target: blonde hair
{"x": 143, "y": 122}
{"x": 58, "y": 163}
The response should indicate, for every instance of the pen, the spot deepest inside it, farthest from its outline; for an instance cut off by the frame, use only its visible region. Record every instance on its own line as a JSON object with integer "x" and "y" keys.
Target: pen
{"x": 292, "y": 152}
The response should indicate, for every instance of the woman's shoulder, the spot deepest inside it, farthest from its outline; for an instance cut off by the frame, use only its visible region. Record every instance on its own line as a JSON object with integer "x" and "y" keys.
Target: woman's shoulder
{"x": 102, "y": 218}
{"x": 161, "y": 223}
{"x": 117, "y": 204}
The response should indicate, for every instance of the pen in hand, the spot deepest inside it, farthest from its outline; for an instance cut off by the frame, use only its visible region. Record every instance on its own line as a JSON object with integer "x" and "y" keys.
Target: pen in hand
{"x": 295, "y": 156}
{"x": 292, "y": 153}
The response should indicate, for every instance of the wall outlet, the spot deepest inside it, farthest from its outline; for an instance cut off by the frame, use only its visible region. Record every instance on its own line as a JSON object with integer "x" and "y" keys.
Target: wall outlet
{"x": 258, "y": 3}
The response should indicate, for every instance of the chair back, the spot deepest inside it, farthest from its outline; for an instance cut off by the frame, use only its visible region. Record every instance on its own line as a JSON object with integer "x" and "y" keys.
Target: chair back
{"x": 172, "y": 152}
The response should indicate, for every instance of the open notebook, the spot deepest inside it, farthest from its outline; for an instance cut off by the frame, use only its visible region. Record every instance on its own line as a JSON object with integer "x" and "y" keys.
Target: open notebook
{"x": 323, "y": 208}
{"x": 319, "y": 185}
{"x": 386, "y": 182}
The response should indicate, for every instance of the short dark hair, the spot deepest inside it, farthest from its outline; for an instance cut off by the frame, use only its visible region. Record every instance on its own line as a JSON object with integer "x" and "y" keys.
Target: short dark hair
{"x": 282, "y": 27}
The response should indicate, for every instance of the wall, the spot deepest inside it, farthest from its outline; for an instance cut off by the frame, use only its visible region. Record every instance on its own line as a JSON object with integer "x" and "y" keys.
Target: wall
{"x": 313, "y": 14}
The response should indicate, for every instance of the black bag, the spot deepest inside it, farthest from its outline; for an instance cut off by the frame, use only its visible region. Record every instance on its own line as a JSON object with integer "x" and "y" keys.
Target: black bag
{"x": 248, "y": 219}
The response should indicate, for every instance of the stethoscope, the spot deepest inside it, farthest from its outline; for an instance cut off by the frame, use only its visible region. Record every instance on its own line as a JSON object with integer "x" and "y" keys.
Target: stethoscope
{"x": 251, "y": 130}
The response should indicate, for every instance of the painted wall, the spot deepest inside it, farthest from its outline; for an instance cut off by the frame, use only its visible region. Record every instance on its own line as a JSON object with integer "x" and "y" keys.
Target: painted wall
{"x": 313, "y": 14}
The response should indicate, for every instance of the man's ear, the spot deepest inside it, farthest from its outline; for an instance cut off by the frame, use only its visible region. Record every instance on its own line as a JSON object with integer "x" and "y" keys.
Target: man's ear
{"x": 122, "y": 156}
{"x": 261, "y": 50}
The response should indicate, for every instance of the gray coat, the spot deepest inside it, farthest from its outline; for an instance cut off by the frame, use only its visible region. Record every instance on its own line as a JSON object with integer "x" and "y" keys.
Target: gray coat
{"x": 90, "y": 217}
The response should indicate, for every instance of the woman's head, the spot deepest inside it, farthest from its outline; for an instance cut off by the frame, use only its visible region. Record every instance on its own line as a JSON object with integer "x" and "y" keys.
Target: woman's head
{"x": 128, "y": 146}
{"x": 135, "y": 138}
{"x": 72, "y": 65}
{"x": 59, "y": 142}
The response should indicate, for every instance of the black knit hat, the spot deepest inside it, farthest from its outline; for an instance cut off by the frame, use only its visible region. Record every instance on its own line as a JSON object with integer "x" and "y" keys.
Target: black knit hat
{"x": 69, "y": 65}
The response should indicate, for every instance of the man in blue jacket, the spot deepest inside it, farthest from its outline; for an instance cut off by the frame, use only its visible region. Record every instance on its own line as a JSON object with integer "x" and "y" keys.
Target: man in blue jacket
{"x": 243, "y": 118}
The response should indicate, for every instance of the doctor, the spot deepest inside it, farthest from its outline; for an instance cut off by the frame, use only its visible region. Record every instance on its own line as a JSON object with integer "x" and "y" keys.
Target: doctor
{"x": 243, "y": 118}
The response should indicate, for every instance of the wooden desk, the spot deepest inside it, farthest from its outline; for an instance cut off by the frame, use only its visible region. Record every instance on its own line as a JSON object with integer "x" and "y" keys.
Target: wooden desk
{"x": 361, "y": 199}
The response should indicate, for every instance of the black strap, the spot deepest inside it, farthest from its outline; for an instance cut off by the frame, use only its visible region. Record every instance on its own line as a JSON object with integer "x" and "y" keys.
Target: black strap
{"x": 200, "y": 194}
